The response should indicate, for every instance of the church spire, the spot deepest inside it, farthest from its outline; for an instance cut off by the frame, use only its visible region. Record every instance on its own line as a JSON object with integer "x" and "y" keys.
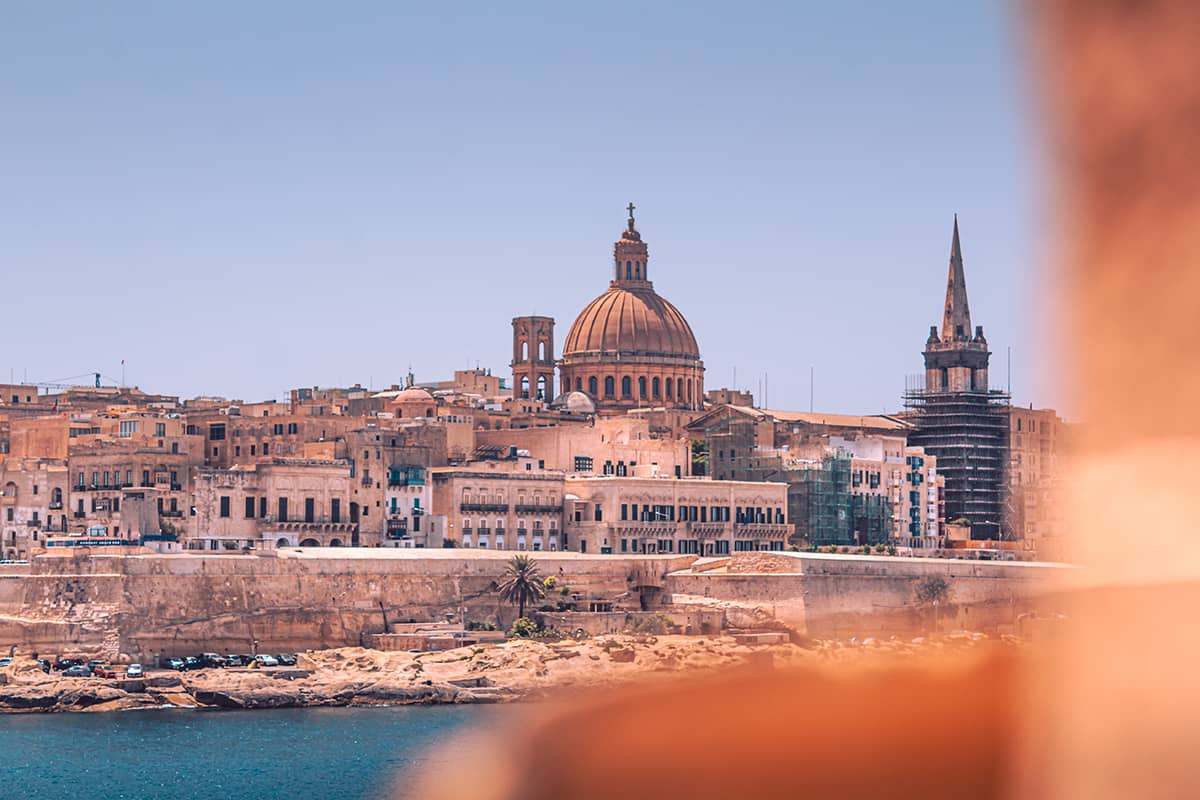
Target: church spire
{"x": 956, "y": 321}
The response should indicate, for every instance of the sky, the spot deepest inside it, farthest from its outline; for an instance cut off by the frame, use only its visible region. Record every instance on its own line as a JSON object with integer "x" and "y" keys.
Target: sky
{"x": 242, "y": 198}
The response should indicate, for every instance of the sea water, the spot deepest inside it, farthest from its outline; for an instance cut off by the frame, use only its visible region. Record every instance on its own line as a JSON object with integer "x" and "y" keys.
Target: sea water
{"x": 175, "y": 754}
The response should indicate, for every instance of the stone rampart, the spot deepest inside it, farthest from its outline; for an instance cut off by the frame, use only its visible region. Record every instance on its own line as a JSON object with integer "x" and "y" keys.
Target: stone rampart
{"x": 146, "y": 606}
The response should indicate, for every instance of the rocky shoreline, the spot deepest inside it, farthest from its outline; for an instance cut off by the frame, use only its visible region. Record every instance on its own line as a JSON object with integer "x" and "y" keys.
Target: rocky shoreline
{"x": 497, "y": 673}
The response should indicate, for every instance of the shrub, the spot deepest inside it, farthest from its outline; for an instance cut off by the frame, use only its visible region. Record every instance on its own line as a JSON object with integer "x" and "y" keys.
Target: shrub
{"x": 486, "y": 625}
{"x": 523, "y": 628}
{"x": 656, "y": 625}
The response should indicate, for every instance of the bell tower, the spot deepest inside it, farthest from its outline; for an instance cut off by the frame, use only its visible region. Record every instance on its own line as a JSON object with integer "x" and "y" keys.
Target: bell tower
{"x": 533, "y": 358}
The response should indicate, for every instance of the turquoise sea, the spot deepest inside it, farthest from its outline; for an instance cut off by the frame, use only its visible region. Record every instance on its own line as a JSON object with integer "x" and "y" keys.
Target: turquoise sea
{"x": 174, "y": 754}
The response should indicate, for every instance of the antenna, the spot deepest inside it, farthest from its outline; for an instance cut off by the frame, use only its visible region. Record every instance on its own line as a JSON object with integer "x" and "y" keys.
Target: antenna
{"x": 811, "y": 389}
{"x": 1010, "y": 372}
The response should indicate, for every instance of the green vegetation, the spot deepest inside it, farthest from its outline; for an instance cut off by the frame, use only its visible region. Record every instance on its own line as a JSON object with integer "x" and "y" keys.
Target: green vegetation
{"x": 522, "y": 583}
{"x": 523, "y": 628}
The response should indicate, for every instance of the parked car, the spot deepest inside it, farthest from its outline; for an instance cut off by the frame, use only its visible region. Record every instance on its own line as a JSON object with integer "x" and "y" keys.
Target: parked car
{"x": 233, "y": 660}
{"x": 95, "y": 663}
{"x": 77, "y": 671}
{"x": 66, "y": 663}
{"x": 45, "y": 665}
{"x": 264, "y": 660}
{"x": 191, "y": 663}
{"x": 134, "y": 671}
{"x": 102, "y": 670}
{"x": 177, "y": 664}
{"x": 213, "y": 660}
{"x": 4, "y": 662}
{"x": 286, "y": 660}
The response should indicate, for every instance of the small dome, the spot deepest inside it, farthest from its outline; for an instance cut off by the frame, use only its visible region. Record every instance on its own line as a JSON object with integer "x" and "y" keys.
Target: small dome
{"x": 574, "y": 403}
{"x": 414, "y": 394}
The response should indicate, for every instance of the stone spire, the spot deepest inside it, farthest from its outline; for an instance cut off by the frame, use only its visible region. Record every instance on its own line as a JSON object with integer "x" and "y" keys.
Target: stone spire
{"x": 956, "y": 321}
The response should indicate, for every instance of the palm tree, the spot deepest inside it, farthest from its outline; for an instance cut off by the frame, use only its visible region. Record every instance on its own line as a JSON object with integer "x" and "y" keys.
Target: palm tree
{"x": 522, "y": 583}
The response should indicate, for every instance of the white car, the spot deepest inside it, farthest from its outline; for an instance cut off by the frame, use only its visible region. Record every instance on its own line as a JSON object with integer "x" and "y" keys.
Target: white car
{"x": 267, "y": 661}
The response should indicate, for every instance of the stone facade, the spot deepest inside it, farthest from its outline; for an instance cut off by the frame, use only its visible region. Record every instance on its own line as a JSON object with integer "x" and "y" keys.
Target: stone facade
{"x": 650, "y": 513}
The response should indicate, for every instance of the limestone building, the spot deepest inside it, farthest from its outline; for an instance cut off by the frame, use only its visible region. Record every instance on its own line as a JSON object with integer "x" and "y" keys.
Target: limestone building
{"x": 655, "y": 513}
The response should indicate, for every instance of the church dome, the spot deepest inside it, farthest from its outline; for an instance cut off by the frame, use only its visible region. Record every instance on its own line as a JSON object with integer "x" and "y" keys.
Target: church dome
{"x": 631, "y": 321}
{"x": 414, "y": 394}
{"x": 630, "y": 348}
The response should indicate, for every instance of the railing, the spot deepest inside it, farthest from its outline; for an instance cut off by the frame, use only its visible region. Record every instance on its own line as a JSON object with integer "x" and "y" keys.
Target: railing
{"x": 525, "y": 508}
{"x": 170, "y": 513}
{"x": 55, "y": 505}
{"x": 763, "y": 529}
{"x": 490, "y": 508}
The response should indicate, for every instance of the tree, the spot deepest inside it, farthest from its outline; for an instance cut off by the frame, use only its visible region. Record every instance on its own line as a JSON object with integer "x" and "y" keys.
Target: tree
{"x": 930, "y": 592}
{"x": 522, "y": 583}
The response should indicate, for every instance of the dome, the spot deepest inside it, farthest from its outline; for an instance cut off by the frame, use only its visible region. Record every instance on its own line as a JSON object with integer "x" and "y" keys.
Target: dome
{"x": 574, "y": 403}
{"x": 632, "y": 321}
{"x": 414, "y": 394}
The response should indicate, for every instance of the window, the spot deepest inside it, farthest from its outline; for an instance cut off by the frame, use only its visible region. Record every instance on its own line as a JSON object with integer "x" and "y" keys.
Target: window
{"x": 283, "y": 510}
{"x": 160, "y": 429}
{"x": 225, "y": 505}
{"x": 599, "y": 513}
{"x": 216, "y": 432}
{"x": 128, "y": 428}
{"x": 310, "y": 509}
{"x": 292, "y": 428}
{"x": 655, "y": 388}
{"x": 583, "y": 463}
{"x": 262, "y": 506}
{"x": 642, "y": 388}
{"x": 609, "y": 386}
{"x": 592, "y": 387}
{"x": 249, "y": 508}
{"x": 626, "y": 387}
{"x": 335, "y": 510}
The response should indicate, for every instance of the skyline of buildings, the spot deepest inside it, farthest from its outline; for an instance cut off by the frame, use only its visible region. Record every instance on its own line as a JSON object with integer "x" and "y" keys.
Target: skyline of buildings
{"x": 625, "y": 401}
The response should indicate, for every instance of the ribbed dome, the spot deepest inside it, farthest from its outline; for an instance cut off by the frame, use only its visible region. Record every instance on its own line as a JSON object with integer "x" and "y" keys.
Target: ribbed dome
{"x": 631, "y": 321}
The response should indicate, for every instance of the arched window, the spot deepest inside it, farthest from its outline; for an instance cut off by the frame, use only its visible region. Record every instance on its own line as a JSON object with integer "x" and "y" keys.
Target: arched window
{"x": 541, "y": 384}
{"x": 637, "y": 270}
{"x": 593, "y": 388}
{"x": 626, "y": 387}
{"x": 56, "y": 496}
{"x": 655, "y": 387}
{"x": 670, "y": 389}
{"x": 524, "y": 350}
{"x": 579, "y": 384}
{"x": 628, "y": 270}
{"x": 542, "y": 350}
{"x": 689, "y": 388}
{"x": 609, "y": 386}
{"x": 642, "y": 388}
{"x": 525, "y": 388}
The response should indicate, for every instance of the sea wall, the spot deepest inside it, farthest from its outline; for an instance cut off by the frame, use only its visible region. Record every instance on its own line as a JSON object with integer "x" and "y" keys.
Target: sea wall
{"x": 145, "y": 606}
{"x": 836, "y": 596}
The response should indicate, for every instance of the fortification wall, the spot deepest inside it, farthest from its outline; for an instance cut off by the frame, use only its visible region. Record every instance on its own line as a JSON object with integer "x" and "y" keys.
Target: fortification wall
{"x": 828, "y": 596}
{"x": 144, "y": 606}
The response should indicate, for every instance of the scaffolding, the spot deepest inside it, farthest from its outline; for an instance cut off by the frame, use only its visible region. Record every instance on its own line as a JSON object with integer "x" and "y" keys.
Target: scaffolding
{"x": 967, "y": 431}
{"x": 822, "y": 502}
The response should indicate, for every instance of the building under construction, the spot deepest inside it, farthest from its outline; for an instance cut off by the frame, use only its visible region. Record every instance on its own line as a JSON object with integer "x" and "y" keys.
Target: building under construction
{"x": 828, "y": 501}
{"x": 958, "y": 418}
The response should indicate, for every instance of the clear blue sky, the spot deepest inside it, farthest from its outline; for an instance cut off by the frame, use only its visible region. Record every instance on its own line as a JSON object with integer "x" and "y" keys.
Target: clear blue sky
{"x": 240, "y": 198}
